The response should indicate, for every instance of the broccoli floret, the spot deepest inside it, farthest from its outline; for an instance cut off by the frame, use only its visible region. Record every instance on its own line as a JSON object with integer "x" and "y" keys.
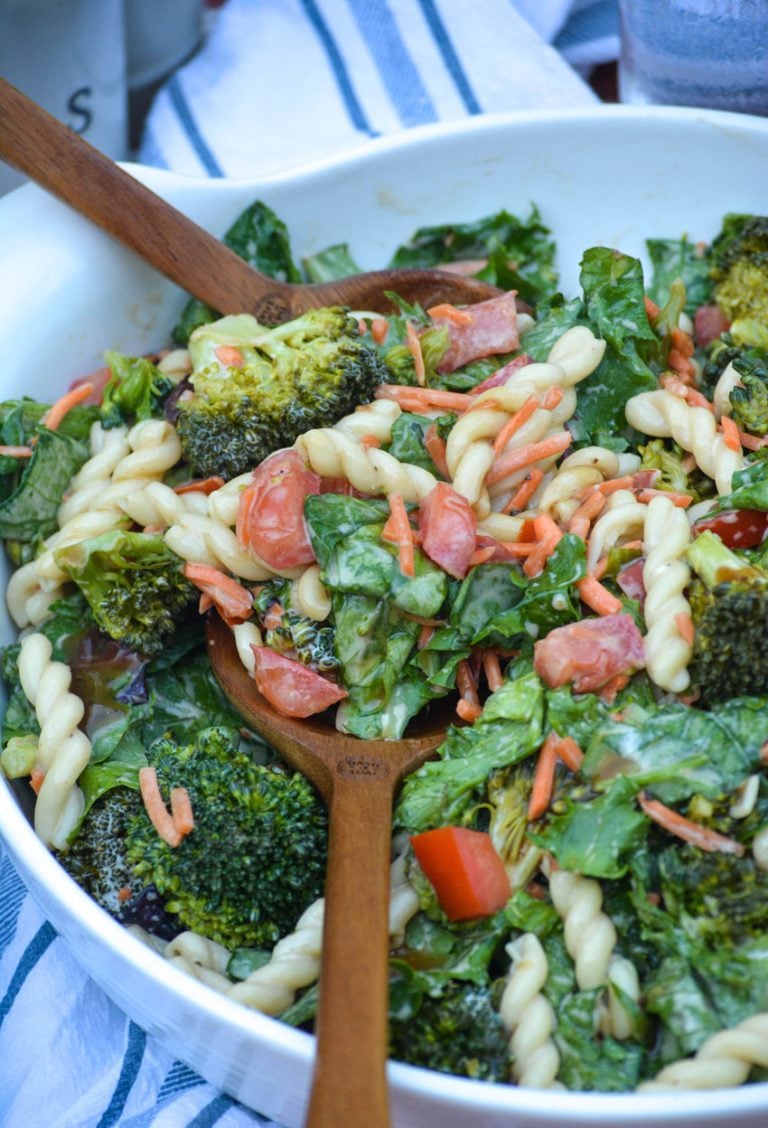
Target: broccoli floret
{"x": 740, "y": 274}
{"x": 715, "y": 896}
{"x": 457, "y": 1032}
{"x": 729, "y": 608}
{"x": 97, "y": 857}
{"x": 135, "y": 586}
{"x": 285, "y": 380}
{"x": 667, "y": 457}
{"x": 256, "y": 857}
{"x": 290, "y": 633}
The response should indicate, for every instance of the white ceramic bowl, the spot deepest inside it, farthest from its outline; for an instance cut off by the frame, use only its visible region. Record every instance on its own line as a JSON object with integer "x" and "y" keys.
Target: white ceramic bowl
{"x": 611, "y": 175}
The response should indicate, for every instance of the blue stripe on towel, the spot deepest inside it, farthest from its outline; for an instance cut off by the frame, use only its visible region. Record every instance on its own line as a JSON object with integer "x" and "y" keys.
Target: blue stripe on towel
{"x": 12, "y": 894}
{"x": 190, "y": 127}
{"x": 134, "y": 1053}
{"x": 398, "y": 71}
{"x": 35, "y": 950}
{"x": 450, "y": 58}
{"x": 178, "y": 1079}
{"x": 354, "y": 109}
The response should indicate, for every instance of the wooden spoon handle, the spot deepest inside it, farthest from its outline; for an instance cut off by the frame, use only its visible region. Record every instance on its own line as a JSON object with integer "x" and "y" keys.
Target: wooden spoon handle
{"x": 349, "y": 1085}
{"x": 51, "y": 154}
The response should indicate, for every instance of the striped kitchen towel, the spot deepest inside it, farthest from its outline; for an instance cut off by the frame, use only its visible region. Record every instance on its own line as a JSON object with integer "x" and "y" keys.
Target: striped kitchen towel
{"x": 280, "y": 83}
{"x": 277, "y": 83}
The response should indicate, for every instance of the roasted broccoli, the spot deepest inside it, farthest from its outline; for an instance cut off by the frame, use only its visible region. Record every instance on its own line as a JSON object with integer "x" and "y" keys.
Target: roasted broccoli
{"x": 97, "y": 857}
{"x": 740, "y": 273}
{"x": 256, "y": 857}
{"x": 457, "y": 1032}
{"x": 729, "y": 607}
{"x": 288, "y": 632}
{"x": 716, "y": 896}
{"x": 255, "y": 389}
{"x": 135, "y": 585}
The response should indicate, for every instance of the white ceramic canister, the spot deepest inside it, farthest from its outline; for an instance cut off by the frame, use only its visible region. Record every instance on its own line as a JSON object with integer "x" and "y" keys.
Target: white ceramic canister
{"x": 69, "y": 56}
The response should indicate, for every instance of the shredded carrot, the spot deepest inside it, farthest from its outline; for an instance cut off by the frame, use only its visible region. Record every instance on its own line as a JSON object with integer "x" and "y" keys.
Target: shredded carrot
{"x": 730, "y": 433}
{"x": 17, "y": 451}
{"x": 451, "y": 313}
{"x": 671, "y": 382}
{"x": 698, "y": 399}
{"x": 436, "y": 450}
{"x": 482, "y": 405}
{"x": 681, "y": 500}
{"x": 651, "y": 309}
{"x": 524, "y": 456}
{"x": 414, "y": 347}
{"x": 541, "y": 552}
{"x": 398, "y": 531}
{"x": 592, "y": 506}
{"x": 597, "y": 597}
{"x": 230, "y": 356}
{"x": 379, "y": 330}
{"x": 36, "y": 777}
{"x": 181, "y": 811}
{"x": 424, "y": 399}
{"x": 552, "y": 397}
{"x": 274, "y": 616}
{"x": 514, "y": 423}
{"x": 612, "y": 485}
{"x": 600, "y": 568}
{"x": 465, "y": 682}
{"x": 543, "y": 778}
{"x": 519, "y": 548}
{"x": 481, "y": 555}
{"x": 752, "y": 442}
{"x": 682, "y": 341}
{"x": 684, "y": 624}
{"x": 608, "y": 692}
{"x": 524, "y": 491}
{"x": 764, "y": 753}
{"x": 56, "y": 412}
{"x": 124, "y": 893}
{"x": 425, "y": 636}
{"x": 467, "y": 710}
{"x": 702, "y": 836}
{"x": 156, "y": 809}
{"x": 368, "y": 441}
{"x": 200, "y": 485}
{"x": 570, "y": 753}
{"x": 492, "y": 669}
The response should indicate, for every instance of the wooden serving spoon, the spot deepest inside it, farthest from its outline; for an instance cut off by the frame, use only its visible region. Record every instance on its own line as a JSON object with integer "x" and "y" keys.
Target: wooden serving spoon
{"x": 357, "y": 779}
{"x": 49, "y": 153}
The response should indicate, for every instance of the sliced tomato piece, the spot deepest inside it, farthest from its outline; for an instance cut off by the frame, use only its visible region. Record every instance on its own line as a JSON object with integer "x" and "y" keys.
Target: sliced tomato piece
{"x": 270, "y": 519}
{"x": 737, "y": 528}
{"x": 233, "y": 602}
{"x": 292, "y": 688}
{"x": 709, "y": 322}
{"x": 448, "y": 528}
{"x": 590, "y": 653}
{"x": 464, "y": 869}
{"x": 630, "y": 579}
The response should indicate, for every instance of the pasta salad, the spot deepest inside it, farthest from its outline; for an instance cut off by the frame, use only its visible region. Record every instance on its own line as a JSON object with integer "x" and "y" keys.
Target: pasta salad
{"x": 548, "y": 514}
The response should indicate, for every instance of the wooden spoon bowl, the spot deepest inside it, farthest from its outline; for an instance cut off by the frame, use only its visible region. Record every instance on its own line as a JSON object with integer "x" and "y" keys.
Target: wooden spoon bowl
{"x": 42, "y": 148}
{"x": 357, "y": 779}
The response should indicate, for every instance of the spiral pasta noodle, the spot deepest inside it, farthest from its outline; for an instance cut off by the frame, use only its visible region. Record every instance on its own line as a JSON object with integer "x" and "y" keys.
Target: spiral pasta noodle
{"x": 63, "y": 750}
{"x": 578, "y": 471}
{"x": 204, "y": 540}
{"x": 590, "y": 939}
{"x": 664, "y": 415}
{"x": 528, "y": 1015}
{"x": 724, "y": 1060}
{"x": 622, "y": 519}
{"x": 295, "y": 963}
{"x": 333, "y": 454}
{"x": 201, "y": 958}
{"x": 665, "y": 578}
{"x": 309, "y": 595}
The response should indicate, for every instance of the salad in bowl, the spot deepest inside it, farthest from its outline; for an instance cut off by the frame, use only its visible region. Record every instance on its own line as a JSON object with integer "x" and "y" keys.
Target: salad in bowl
{"x": 546, "y": 513}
